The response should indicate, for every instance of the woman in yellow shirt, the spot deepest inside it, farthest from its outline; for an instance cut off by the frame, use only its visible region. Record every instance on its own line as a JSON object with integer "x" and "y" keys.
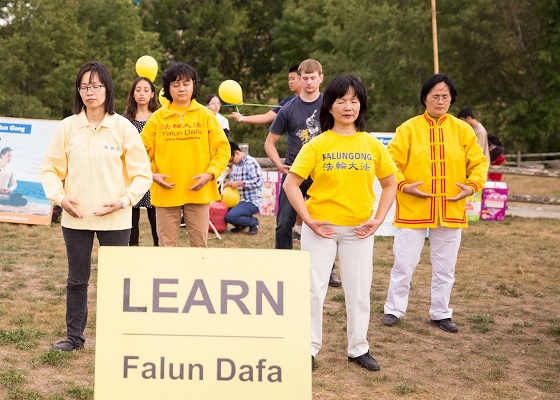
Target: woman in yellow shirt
{"x": 338, "y": 216}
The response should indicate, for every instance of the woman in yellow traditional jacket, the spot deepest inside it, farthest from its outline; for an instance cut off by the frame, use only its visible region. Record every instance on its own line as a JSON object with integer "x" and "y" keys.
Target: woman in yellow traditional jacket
{"x": 440, "y": 164}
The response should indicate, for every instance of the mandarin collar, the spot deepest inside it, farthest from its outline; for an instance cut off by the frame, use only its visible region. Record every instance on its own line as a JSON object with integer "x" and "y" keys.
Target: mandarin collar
{"x": 433, "y": 121}
{"x": 109, "y": 121}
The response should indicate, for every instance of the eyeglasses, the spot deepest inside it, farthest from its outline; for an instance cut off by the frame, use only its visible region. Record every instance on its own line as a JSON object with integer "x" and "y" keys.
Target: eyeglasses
{"x": 93, "y": 88}
{"x": 444, "y": 98}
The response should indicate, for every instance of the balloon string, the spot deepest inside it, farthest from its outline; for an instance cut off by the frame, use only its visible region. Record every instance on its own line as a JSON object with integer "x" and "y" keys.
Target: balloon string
{"x": 250, "y": 104}
{"x": 261, "y": 105}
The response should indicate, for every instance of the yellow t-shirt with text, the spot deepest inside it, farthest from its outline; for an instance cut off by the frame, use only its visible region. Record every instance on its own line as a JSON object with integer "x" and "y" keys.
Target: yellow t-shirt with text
{"x": 343, "y": 169}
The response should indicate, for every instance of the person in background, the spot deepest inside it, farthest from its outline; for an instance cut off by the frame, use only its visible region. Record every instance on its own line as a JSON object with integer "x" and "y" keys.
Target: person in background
{"x": 187, "y": 150}
{"x": 294, "y": 84}
{"x": 95, "y": 168}
{"x": 338, "y": 216}
{"x": 497, "y": 156}
{"x": 140, "y": 104}
{"x": 247, "y": 178}
{"x": 299, "y": 119}
{"x": 467, "y": 115}
{"x": 213, "y": 103}
{"x": 440, "y": 164}
{"x": 8, "y": 182}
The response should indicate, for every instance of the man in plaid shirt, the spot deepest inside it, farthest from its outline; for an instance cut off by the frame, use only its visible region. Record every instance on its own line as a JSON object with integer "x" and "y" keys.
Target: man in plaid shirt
{"x": 247, "y": 178}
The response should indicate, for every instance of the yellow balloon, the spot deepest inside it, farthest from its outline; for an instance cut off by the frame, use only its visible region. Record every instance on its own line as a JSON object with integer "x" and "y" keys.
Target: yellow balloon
{"x": 162, "y": 99}
{"x": 147, "y": 66}
{"x": 230, "y": 196}
{"x": 230, "y": 92}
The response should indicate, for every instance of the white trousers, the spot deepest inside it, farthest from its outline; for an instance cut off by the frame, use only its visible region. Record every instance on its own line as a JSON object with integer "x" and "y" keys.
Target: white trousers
{"x": 355, "y": 258}
{"x": 407, "y": 247}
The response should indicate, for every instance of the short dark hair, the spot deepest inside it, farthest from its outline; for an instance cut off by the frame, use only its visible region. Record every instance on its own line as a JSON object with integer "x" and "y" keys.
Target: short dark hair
{"x": 210, "y": 97}
{"x": 132, "y": 106}
{"x": 336, "y": 89}
{"x": 293, "y": 68}
{"x": 5, "y": 150}
{"x": 234, "y": 147}
{"x": 466, "y": 112}
{"x": 99, "y": 69}
{"x": 179, "y": 70}
{"x": 434, "y": 80}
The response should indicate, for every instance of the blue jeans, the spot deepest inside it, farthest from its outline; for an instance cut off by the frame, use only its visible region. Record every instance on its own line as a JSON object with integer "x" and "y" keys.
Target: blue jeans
{"x": 79, "y": 245}
{"x": 242, "y": 214}
{"x": 286, "y": 217}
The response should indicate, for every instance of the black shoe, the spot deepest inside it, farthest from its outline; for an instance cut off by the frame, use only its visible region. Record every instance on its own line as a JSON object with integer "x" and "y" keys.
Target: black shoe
{"x": 68, "y": 345}
{"x": 389, "y": 320}
{"x": 296, "y": 237}
{"x": 253, "y": 230}
{"x": 446, "y": 325}
{"x": 365, "y": 361}
{"x": 313, "y": 363}
{"x": 236, "y": 229}
{"x": 334, "y": 281}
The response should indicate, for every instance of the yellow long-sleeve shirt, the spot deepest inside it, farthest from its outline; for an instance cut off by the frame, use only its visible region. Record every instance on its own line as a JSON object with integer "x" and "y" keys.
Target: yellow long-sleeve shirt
{"x": 441, "y": 154}
{"x": 183, "y": 143}
{"x": 96, "y": 166}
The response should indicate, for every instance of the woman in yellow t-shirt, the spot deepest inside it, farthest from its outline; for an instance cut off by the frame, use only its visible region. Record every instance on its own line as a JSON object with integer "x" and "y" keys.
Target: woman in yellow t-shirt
{"x": 338, "y": 216}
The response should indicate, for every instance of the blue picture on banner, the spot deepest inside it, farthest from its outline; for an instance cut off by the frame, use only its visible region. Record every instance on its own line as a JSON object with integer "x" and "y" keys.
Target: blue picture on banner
{"x": 23, "y": 143}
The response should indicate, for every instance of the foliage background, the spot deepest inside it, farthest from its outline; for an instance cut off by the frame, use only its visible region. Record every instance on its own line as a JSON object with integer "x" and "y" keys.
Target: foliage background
{"x": 502, "y": 54}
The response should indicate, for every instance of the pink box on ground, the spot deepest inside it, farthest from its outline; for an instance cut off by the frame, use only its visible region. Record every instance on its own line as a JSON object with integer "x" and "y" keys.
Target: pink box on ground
{"x": 271, "y": 192}
{"x": 494, "y": 201}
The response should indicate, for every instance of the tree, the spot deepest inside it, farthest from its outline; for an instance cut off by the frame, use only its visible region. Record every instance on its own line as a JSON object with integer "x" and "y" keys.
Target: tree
{"x": 221, "y": 39}
{"x": 117, "y": 41}
{"x": 502, "y": 54}
{"x": 388, "y": 45}
{"x": 35, "y": 47}
{"x": 504, "y": 58}
{"x": 44, "y": 43}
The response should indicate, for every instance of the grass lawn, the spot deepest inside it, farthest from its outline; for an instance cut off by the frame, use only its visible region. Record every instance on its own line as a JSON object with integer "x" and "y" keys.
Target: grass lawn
{"x": 506, "y": 302}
